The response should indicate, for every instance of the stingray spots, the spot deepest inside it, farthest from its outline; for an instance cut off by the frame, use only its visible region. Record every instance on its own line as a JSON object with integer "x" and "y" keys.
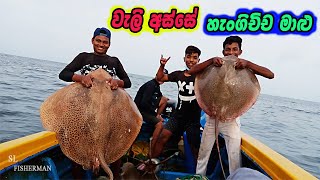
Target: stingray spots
{"x": 89, "y": 121}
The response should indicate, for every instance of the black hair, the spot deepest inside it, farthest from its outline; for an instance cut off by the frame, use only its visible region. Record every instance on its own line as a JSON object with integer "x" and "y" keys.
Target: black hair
{"x": 232, "y": 39}
{"x": 192, "y": 49}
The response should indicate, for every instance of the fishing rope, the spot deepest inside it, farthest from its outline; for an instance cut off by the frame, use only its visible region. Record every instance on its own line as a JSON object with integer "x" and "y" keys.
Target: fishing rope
{"x": 217, "y": 142}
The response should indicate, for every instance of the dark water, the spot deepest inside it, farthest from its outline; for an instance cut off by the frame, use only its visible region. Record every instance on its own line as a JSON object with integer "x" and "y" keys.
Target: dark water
{"x": 288, "y": 126}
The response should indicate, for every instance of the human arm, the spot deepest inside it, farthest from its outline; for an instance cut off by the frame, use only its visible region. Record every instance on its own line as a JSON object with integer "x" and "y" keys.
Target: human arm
{"x": 161, "y": 76}
{"x": 162, "y": 105}
{"x": 68, "y": 73}
{"x": 124, "y": 80}
{"x": 260, "y": 70}
{"x": 216, "y": 61}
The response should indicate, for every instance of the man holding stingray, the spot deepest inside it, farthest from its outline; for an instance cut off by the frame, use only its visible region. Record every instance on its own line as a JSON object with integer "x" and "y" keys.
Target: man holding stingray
{"x": 230, "y": 129}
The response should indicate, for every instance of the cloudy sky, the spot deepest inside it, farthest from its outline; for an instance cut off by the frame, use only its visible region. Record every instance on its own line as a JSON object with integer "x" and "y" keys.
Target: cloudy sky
{"x": 59, "y": 30}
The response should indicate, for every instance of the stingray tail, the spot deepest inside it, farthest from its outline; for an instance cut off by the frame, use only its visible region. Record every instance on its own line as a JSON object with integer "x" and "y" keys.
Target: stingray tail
{"x": 105, "y": 165}
{"x": 218, "y": 148}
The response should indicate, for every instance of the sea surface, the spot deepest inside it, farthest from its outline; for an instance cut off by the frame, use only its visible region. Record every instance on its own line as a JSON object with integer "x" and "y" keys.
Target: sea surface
{"x": 288, "y": 126}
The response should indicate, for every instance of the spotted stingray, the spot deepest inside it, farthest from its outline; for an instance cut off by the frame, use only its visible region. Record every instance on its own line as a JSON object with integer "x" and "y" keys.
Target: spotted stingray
{"x": 94, "y": 126}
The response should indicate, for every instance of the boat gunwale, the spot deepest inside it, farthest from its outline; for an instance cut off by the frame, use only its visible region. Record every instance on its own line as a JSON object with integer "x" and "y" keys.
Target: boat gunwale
{"x": 274, "y": 164}
{"x": 25, "y": 148}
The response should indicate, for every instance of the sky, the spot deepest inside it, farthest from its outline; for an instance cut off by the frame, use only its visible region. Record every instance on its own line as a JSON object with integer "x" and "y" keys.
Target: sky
{"x": 59, "y": 30}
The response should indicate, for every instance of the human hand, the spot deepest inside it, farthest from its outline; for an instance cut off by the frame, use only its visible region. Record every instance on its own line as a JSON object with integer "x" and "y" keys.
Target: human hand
{"x": 217, "y": 61}
{"x": 163, "y": 60}
{"x": 113, "y": 83}
{"x": 160, "y": 118}
{"x": 241, "y": 64}
{"x": 86, "y": 81}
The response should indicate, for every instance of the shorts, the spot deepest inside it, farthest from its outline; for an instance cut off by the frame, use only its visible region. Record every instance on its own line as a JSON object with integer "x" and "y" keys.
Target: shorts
{"x": 149, "y": 118}
{"x": 178, "y": 126}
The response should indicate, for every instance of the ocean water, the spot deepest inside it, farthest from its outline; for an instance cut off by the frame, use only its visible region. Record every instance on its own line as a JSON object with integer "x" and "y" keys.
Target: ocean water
{"x": 288, "y": 126}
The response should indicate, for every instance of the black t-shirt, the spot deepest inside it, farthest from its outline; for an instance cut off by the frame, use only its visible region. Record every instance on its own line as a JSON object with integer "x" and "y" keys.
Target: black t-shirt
{"x": 187, "y": 103}
{"x": 148, "y": 97}
{"x": 88, "y": 62}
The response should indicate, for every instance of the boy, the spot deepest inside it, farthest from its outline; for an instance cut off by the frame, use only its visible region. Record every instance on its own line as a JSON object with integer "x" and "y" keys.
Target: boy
{"x": 87, "y": 62}
{"x": 230, "y": 129}
{"x": 187, "y": 114}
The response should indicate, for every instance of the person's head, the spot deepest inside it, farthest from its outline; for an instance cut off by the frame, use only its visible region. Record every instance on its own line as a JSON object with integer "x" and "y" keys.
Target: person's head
{"x": 191, "y": 56}
{"x": 232, "y": 46}
{"x": 101, "y": 40}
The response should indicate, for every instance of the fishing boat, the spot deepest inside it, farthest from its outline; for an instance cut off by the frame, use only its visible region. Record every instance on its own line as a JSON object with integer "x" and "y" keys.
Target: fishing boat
{"x": 38, "y": 156}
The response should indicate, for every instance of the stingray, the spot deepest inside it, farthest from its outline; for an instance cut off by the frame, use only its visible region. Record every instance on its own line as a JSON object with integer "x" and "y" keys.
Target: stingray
{"x": 226, "y": 93}
{"x": 93, "y": 125}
